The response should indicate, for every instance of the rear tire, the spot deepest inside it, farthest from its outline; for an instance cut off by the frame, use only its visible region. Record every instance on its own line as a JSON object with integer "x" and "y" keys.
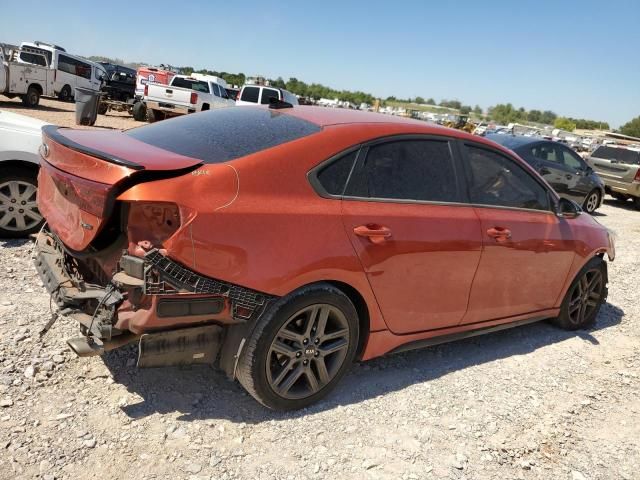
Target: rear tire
{"x": 300, "y": 349}
{"x": 591, "y": 202}
{"x": 585, "y": 296}
{"x": 19, "y": 185}
{"x": 103, "y": 108}
{"x": 154, "y": 115}
{"x": 139, "y": 112}
{"x": 65, "y": 94}
{"x": 32, "y": 98}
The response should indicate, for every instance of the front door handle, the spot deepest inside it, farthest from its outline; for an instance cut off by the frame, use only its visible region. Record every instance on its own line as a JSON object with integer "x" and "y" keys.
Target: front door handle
{"x": 499, "y": 234}
{"x": 375, "y": 233}
{"x": 568, "y": 176}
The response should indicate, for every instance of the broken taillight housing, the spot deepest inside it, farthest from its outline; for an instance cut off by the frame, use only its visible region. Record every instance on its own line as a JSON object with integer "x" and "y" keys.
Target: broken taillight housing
{"x": 153, "y": 222}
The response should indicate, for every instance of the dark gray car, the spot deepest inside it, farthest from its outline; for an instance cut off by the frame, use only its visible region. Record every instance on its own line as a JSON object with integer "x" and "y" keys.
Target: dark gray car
{"x": 568, "y": 174}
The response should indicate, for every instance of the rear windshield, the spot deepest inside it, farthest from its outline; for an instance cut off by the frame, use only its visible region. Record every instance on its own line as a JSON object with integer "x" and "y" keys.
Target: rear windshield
{"x": 224, "y": 134}
{"x": 619, "y": 154}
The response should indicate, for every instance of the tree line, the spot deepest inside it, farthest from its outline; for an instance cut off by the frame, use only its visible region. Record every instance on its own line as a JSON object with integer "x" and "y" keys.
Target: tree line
{"x": 500, "y": 113}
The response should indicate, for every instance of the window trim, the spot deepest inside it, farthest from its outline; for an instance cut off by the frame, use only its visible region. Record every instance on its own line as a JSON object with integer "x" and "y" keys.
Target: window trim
{"x": 358, "y": 166}
{"x": 551, "y": 195}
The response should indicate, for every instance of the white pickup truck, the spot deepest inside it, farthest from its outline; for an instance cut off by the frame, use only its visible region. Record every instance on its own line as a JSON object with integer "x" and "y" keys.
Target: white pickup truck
{"x": 24, "y": 80}
{"x": 185, "y": 94}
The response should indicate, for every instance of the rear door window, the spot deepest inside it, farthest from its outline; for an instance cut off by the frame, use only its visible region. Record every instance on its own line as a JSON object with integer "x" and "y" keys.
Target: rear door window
{"x": 268, "y": 94}
{"x": 215, "y": 89}
{"x": 499, "y": 181}
{"x": 414, "y": 170}
{"x": 546, "y": 152}
{"x": 333, "y": 177}
{"x": 250, "y": 94}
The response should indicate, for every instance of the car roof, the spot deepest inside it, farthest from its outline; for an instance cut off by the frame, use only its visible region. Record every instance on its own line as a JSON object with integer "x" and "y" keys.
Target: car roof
{"x": 515, "y": 141}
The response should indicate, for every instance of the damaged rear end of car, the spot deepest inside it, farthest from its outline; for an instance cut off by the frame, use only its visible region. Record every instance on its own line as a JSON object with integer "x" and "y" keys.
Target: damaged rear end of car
{"x": 106, "y": 258}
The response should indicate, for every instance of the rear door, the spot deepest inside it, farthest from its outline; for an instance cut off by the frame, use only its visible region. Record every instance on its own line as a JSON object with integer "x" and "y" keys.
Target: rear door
{"x": 527, "y": 249}
{"x": 551, "y": 166}
{"x": 418, "y": 242}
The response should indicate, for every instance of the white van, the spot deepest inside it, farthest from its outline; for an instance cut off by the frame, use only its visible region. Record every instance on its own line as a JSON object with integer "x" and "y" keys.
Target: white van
{"x": 71, "y": 71}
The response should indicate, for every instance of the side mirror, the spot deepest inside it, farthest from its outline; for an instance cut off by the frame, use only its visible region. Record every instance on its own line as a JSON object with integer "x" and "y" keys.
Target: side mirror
{"x": 567, "y": 208}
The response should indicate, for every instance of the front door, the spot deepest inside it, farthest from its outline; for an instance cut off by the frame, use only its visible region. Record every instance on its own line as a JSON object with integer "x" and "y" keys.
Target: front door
{"x": 528, "y": 250}
{"x": 418, "y": 244}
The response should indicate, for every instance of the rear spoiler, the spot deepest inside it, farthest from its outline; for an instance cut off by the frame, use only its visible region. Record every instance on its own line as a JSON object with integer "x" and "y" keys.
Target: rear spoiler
{"x": 52, "y": 131}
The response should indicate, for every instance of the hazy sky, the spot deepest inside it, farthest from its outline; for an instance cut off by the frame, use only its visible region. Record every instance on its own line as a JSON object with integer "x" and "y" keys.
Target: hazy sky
{"x": 577, "y": 58}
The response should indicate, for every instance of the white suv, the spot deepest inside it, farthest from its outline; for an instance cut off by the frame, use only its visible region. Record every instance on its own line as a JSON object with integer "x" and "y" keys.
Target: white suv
{"x": 20, "y": 140}
{"x": 252, "y": 94}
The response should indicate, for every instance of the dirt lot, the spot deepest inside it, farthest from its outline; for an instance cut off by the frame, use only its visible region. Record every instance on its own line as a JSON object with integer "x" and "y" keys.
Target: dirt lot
{"x": 533, "y": 402}
{"x": 63, "y": 114}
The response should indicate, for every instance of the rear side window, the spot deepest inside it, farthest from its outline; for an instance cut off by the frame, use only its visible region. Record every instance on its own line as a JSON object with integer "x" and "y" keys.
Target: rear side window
{"x": 333, "y": 177}
{"x": 546, "y": 152}
{"x": 267, "y": 95}
{"x": 224, "y": 134}
{"x": 497, "y": 180}
{"x": 618, "y": 154}
{"x": 250, "y": 94}
{"x": 420, "y": 170}
{"x": 216, "y": 89}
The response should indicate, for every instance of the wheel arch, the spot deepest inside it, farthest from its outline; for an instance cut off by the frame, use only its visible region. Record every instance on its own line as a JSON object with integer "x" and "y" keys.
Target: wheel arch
{"x": 25, "y": 162}
{"x": 37, "y": 86}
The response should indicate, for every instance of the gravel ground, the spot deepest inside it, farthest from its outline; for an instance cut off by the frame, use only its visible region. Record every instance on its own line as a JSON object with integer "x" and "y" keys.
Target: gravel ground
{"x": 533, "y": 402}
{"x": 63, "y": 114}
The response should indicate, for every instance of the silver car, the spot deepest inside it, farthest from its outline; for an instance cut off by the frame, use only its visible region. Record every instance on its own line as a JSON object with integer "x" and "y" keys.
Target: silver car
{"x": 619, "y": 168}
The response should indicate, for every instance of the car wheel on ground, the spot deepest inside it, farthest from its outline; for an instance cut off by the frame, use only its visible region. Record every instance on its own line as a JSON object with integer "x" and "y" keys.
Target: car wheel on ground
{"x": 585, "y": 296}
{"x": 154, "y": 115}
{"x": 19, "y": 215}
{"x": 591, "y": 202}
{"x": 32, "y": 98}
{"x": 300, "y": 348}
{"x": 103, "y": 108}
{"x": 139, "y": 112}
{"x": 65, "y": 94}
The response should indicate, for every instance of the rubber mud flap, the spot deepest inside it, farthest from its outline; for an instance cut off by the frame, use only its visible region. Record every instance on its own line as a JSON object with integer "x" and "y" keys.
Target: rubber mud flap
{"x": 186, "y": 346}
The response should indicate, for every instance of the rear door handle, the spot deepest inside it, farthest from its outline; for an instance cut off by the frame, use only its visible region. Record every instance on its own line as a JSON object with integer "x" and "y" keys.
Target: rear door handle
{"x": 375, "y": 233}
{"x": 500, "y": 234}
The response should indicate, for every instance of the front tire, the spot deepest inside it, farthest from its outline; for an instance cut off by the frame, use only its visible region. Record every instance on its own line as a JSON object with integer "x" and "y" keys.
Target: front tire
{"x": 591, "y": 202}
{"x": 585, "y": 296}
{"x": 301, "y": 348}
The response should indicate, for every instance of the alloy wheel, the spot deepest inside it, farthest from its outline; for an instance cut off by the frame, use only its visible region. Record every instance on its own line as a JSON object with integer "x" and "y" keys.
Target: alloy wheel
{"x": 18, "y": 207}
{"x": 585, "y": 297}
{"x": 592, "y": 202}
{"x": 308, "y": 351}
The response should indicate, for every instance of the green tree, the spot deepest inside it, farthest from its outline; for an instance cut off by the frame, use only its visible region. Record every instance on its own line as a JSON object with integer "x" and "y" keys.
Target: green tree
{"x": 564, "y": 124}
{"x": 534, "y": 115}
{"x": 477, "y": 110}
{"x": 631, "y": 128}
{"x": 465, "y": 109}
{"x": 430, "y": 101}
{"x": 548, "y": 117}
{"x": 419, "y": 100}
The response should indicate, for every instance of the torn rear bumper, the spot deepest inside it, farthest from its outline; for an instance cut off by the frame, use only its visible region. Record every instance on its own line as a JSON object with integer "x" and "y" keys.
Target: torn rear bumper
{"x": 148, "y": 297}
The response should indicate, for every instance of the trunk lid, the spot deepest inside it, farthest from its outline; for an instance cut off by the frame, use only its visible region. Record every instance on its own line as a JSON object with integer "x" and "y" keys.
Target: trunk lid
{"x": 83, "y": 171}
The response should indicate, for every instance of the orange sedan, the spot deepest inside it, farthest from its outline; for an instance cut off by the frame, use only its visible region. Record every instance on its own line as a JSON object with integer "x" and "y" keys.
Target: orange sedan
{"x": 284, "y": 242}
